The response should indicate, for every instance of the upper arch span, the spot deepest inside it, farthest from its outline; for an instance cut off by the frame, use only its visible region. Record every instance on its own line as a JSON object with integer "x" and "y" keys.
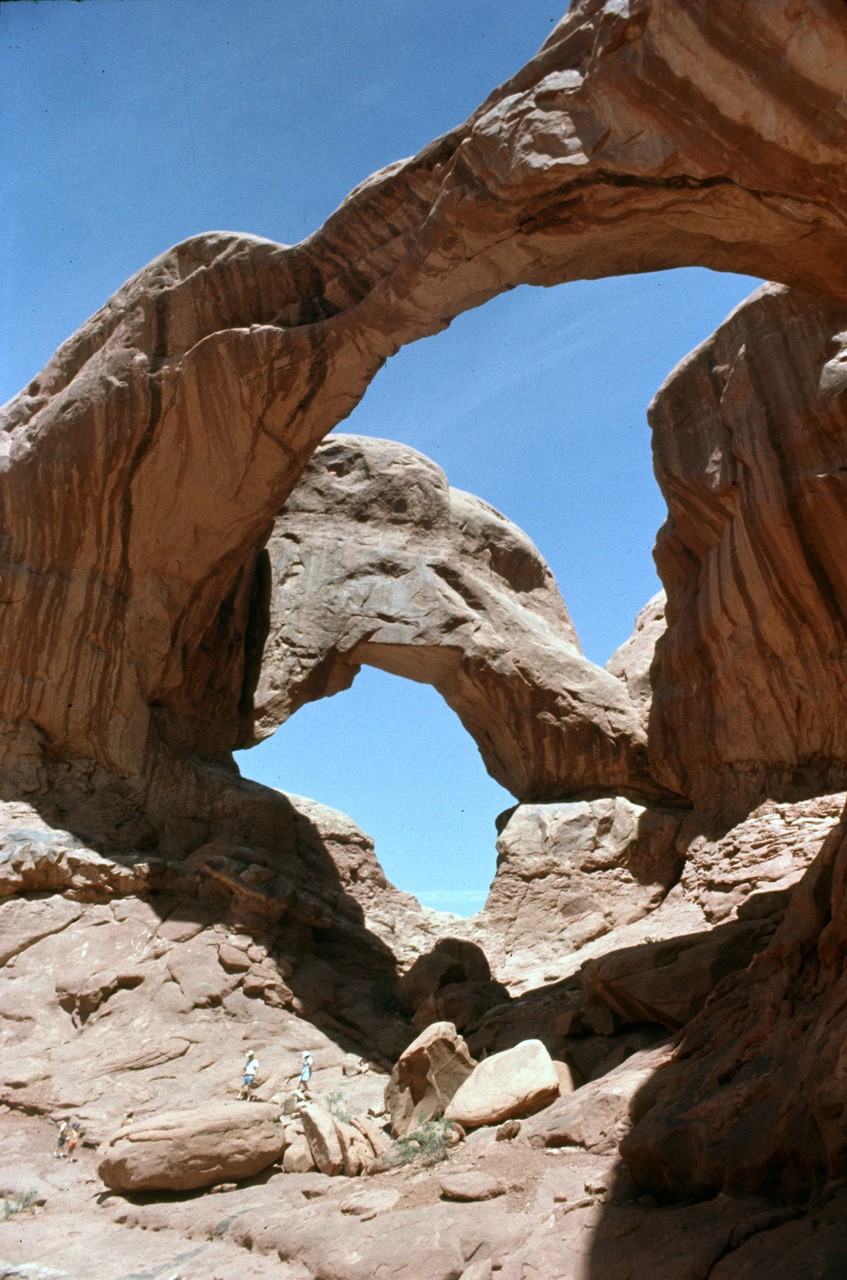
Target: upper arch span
{"x": 161, "y": 439}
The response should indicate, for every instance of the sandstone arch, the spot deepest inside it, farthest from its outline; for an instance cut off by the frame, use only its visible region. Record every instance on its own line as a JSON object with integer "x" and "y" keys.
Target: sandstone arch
{"x": 375, "y": 559}
{"x": 159, "y": 442}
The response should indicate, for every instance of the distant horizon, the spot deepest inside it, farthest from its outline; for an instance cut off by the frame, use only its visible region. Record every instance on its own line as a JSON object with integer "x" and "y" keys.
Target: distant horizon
{"x": 129, "y": 132}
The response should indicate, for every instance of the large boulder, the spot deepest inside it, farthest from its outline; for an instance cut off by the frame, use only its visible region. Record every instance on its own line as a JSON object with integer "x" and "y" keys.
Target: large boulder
{"x": 426, "y": 1077}
{"x": 180, "y": 1150}
{"x": 517, "y": 1082}
{"x": 322, "y": 1136}
{"x": 335, "y": 1146}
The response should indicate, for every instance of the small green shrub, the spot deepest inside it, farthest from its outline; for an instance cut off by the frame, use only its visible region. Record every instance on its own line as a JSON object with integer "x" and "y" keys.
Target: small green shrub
{"x": 427, "y": 1144}
{"x": 18, "y": 1204}
{"x": 336, "y": 1106}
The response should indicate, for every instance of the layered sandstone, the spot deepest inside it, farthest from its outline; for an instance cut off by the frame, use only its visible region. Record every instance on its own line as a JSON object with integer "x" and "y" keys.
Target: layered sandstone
{"x": 162, "y": 439}
{"x": 142, "y": 473}
{"x": 749, "y": 443}
{"x": 376, "y": 559}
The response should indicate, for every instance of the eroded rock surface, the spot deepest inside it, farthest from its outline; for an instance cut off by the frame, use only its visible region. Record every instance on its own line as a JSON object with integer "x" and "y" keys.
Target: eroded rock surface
{"x": 755, "y": 1095}
{"x": 427, "y": 1075}
{"x": 571, "y": 872}
{"x": 644, "y": 135}
{"x": 749, "y": 444}
{"x": 186, "y": 409}
{"x": 181, "y": 1150}
{"x": 375, "y": 559}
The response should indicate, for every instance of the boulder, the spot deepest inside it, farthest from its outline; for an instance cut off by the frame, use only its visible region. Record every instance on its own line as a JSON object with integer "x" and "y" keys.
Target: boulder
{"x": 370, "y": 1130}
{"x": 322, "y": 1136}
{"x": 298, "y": 1156}
{"x": 517, "y": 1082}
{"x": 427, "y": 1075}
{"x": 180, "y": 1150}
{"x": 472, "y": 1185}
{"x": 356, "y": 1151}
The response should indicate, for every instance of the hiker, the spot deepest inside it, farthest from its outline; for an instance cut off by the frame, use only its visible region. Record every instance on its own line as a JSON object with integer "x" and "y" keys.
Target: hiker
{"x": 73, "y": 1139}
{"x": 60, "y": 1153}
{"x": 251, "y": 1066}
{"x": 305, "y": 1076}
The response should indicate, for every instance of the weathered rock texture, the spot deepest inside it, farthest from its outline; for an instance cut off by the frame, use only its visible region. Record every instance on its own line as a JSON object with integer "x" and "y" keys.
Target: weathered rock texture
{"x": 750, "y": 441}
{"x": 426, "y": 1076}
{"x": 181, "y": 1150}
{"x": 517, "y": 1082}
{"x": 669, "y": 982}
{"x": 162, "y": 439}
{"x": 633, "y": 660}
{"x": 142, "y": 473}
{"x": 375, "y": 559}
{"x": 570, "y": 872}
{"x": 756, "y": 1096}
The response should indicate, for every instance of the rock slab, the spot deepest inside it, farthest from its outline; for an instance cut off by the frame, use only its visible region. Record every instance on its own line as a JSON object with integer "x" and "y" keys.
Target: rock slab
{"x": 181, "y": 1150}
{"x": 426, "y": 1077}
{"x": 517, "y": 1082}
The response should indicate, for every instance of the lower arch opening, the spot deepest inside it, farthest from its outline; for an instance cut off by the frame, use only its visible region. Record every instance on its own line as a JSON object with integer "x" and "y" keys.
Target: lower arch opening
{"x": 392, "y": 755}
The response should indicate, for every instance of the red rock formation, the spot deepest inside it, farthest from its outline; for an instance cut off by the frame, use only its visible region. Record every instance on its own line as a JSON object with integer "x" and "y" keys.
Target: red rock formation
{"x": 147, "y": 460}
{"x": 750, "y": 444}
{"x": 375, "y": 559}
{"x": 755, "y": 1100}
{"x": 143, "y": 469}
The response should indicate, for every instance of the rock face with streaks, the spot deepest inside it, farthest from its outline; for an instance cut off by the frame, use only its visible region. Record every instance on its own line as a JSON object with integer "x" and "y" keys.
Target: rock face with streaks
{"x": 142, "y": 474}
{"x": 750, "y": 445}
{"x": 633, "y": 660}
{"x": 375, "y": 559}
{"x": 642, "y": 136}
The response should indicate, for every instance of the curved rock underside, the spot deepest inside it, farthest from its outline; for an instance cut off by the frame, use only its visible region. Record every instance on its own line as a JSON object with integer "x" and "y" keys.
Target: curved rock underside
{"x": 143, "y": 473}
{"x": 375, "y": 559}
{"x": 161, "y": 440}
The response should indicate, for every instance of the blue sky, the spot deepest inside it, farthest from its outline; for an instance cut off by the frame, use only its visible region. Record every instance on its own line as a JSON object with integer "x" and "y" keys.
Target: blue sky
{"x": 132, "y": 124}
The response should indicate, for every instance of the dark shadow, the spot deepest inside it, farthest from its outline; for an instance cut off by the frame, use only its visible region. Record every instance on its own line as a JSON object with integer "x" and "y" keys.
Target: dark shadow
{"x": 733, "y": 1169}
{"x": 211, "y": 847}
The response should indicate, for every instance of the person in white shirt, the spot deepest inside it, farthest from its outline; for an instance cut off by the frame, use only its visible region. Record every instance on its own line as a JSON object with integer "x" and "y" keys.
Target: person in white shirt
{"x": 251, "y": 1067}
